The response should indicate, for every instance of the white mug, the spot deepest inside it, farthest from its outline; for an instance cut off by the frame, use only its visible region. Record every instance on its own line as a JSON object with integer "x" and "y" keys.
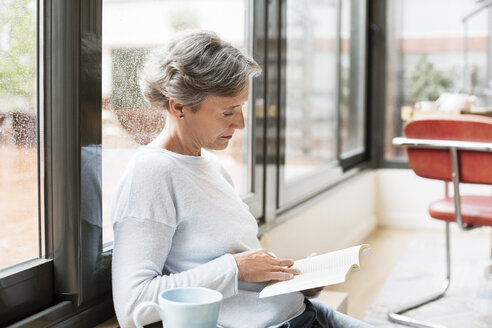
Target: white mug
{"x": 190, "y": 307}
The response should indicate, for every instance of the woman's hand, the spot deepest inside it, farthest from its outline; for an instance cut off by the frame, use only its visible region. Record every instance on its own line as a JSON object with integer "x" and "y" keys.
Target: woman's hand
{"x": 313, "y": 292}
{"x": 260, "y": 266}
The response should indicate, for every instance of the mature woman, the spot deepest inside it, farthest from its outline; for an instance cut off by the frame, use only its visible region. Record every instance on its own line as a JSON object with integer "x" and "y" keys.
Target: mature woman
{"x": 177, "y": 220}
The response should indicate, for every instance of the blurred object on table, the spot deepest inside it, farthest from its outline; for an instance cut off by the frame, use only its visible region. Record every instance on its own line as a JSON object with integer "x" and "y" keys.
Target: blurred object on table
{"x": 447, "y": 103}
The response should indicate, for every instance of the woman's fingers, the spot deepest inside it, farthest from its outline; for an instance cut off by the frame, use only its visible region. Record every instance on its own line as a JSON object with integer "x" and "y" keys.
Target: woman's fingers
{"x": 285, "y": 269}
{"x": 283, "y": 262}
{"x": 280, "y": 276}
{"x": 261, "y": 265}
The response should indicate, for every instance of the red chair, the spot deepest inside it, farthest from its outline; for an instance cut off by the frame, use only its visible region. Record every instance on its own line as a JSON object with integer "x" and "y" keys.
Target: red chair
{"x": 455, "y": 149}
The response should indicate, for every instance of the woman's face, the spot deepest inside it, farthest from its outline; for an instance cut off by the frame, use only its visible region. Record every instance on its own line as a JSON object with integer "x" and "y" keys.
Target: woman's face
{"x": 214, "y": 123}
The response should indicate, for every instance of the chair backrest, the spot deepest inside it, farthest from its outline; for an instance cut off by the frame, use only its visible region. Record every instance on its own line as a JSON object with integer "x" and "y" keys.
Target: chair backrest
{"x": 475, "y": 166}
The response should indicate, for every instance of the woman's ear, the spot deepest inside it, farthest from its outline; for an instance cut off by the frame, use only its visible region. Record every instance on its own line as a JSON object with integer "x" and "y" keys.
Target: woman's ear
{"x": 175, "y": 109}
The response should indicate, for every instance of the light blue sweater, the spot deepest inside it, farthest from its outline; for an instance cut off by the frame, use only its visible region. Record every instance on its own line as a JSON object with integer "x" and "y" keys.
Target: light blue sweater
{"x": 176, "y": 222}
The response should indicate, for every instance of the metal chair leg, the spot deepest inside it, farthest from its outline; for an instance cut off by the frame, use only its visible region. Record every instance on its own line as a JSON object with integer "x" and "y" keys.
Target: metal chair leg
{"x": 396, "y": 314}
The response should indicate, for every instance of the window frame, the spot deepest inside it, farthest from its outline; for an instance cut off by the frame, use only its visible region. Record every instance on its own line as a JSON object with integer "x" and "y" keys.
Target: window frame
{"x": 351, "y": 158}
{"x": 54, "y": 288}
{"x": 292, "y": 193}
{"x": 376, "y": 96}
{"x": 377, "y": 72}
{"x": 257, "y": 45}
{"x": 28, "y": 287}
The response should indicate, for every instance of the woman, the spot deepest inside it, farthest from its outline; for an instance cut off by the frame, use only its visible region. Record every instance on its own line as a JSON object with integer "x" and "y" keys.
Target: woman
{"x": 177, "y": 220}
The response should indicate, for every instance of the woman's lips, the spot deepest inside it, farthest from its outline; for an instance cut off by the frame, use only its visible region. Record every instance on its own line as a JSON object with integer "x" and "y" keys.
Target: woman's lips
{"x": 227, "y": 137}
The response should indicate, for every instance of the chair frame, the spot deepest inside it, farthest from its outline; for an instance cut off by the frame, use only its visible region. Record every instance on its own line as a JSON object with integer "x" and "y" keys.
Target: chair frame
{"x": 396, "y": 315}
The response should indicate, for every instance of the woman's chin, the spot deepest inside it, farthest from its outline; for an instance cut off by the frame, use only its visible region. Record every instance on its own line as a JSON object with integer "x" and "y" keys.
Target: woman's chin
{"x": 220, "y": 146}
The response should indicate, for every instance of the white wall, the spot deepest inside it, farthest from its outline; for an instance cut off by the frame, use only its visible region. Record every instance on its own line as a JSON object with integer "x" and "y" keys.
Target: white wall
{"x": 346, "y": 214}
{"x": 402, "y": 198}
{"x": 340, "y": 217}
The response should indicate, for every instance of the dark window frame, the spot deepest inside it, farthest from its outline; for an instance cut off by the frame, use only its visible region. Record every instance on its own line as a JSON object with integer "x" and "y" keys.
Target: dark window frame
{"x": 257, "y": 43}
{"x": 293, "y": 193}
{"x": 59, "y": 286}
{"x": 27, "y": 288}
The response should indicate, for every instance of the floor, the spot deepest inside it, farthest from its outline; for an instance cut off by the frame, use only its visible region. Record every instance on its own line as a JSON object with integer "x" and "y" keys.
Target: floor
{"x": 420, "y": 271}
{"x": 387, "y": 244}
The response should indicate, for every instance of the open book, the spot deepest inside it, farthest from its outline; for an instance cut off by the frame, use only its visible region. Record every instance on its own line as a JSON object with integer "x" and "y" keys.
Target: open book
{"x": 317, "y": 271}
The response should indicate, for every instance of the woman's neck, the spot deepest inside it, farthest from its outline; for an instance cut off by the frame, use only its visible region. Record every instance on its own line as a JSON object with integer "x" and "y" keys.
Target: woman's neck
{"x": 171, "y": 139}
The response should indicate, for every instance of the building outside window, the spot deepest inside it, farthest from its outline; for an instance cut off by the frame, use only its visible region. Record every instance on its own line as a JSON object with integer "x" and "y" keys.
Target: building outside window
{"x": 19, "y": 143}
{"x": 432, "y": 49}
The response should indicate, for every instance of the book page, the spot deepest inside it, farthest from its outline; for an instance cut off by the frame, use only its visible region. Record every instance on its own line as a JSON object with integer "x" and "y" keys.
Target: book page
{"x": 322, "y": 270}
{"x": 338, "y": 259}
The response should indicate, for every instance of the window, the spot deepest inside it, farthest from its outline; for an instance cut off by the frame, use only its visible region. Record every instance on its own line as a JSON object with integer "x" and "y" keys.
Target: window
{"x": 128, "y": 121}
{"x": 26, "y": 282}
{"x": 52, "y": 69}
{"x": 322, "y": 129}
{"x": 429, "y": 54}
{"x": 19, "y": 192}
{"x": 352, "y": 79}
{"x": 311, "y": 87}
{"x": 71, "y": 117}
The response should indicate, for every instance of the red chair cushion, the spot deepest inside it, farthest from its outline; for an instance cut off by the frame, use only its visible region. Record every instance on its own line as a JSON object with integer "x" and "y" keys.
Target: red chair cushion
{"x": 475, "y": 210}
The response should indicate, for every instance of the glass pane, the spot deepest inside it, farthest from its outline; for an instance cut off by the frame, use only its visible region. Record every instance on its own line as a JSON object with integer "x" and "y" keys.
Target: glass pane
{"x": 352, "y": 59}
{"x": 433, "y": 66}
{"x": 311, "y": 86}
{"x": 478, "y": 60}
{"x": 130, "y": 30}
{"x": 19, "y": 227}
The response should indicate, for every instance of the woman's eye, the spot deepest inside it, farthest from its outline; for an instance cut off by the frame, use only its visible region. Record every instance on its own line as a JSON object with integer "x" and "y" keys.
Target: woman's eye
{"x": 227, "y": 114}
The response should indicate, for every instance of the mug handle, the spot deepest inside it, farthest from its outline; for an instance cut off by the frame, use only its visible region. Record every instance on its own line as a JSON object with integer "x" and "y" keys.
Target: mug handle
{"x": 141, "y": 307}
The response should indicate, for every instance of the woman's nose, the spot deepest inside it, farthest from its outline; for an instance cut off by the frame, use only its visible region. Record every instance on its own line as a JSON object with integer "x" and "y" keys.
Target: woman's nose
{"x": 239, "y": 120}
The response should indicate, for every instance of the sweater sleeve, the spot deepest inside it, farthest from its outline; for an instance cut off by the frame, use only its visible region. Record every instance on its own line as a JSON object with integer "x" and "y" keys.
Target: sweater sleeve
{"x": 140, "y": 251}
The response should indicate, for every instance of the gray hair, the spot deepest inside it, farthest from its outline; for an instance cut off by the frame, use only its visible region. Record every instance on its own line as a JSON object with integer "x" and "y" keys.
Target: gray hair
{"x": 193, "y": 66}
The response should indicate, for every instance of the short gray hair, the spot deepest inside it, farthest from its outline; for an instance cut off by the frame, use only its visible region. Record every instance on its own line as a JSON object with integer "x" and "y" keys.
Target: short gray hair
{"x": 193, "y": 66}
